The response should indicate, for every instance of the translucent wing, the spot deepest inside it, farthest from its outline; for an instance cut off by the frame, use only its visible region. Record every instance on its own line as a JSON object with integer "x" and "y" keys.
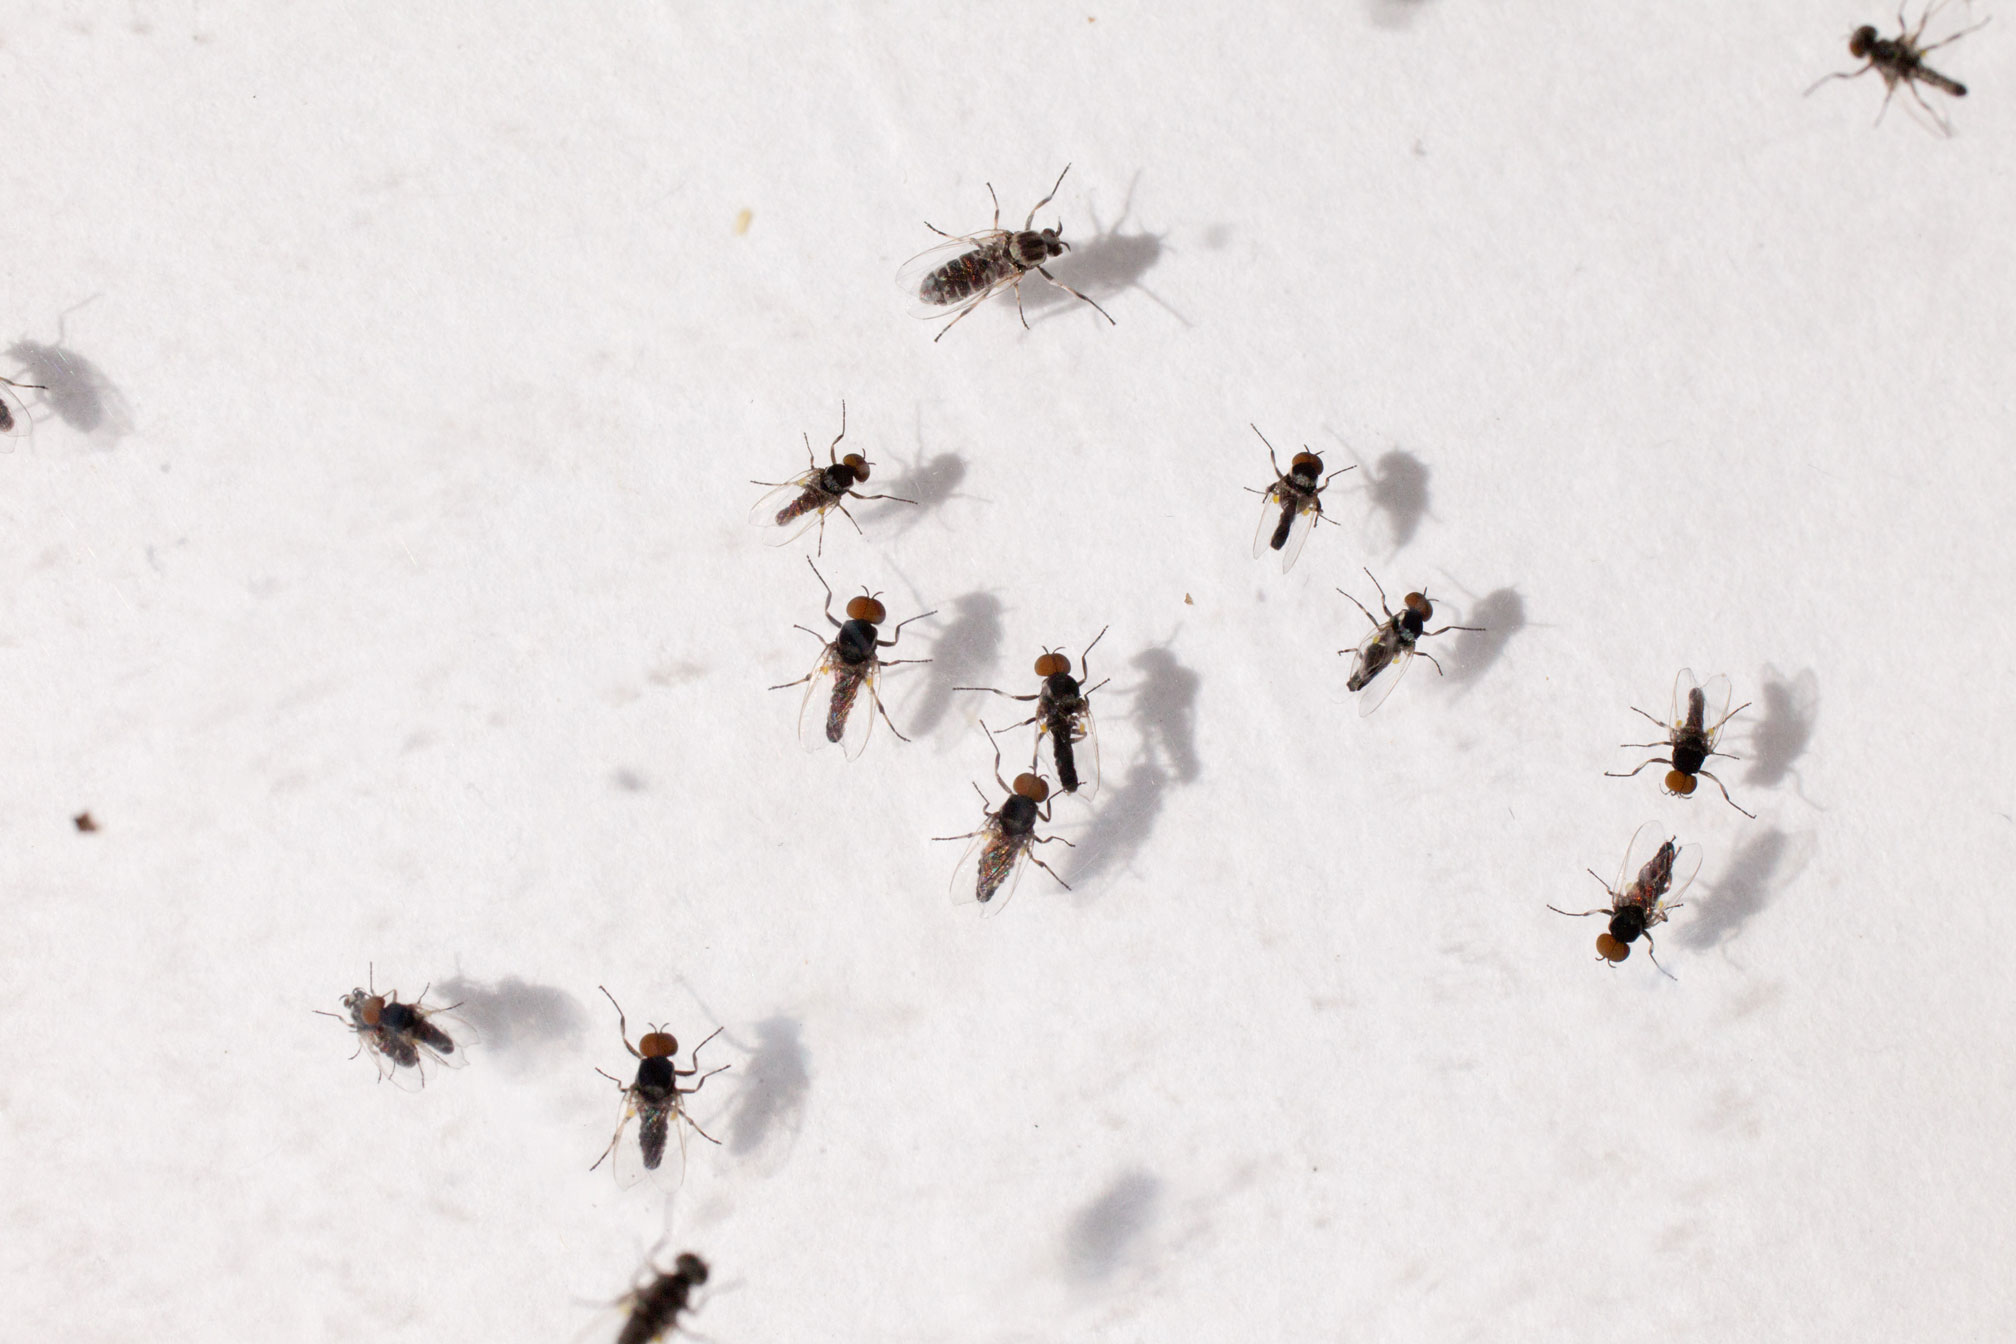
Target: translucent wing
{"x": 1645, "y": 842}
{"x": 1270, "y": 520}
{"x": 784, "y": 512}
{"x": 1084, "y": 748}
{"x": 1715, "y": 704}
{"x": 1645, "y": 847}
{"x": 629, "y": 1158}
{"x": 840, "y": 705}
{"x": 1299, "y": 528}
{"x": 981, "y": 867}
{"x": 914, "y": 274}
{"x": 1373, "y": 694}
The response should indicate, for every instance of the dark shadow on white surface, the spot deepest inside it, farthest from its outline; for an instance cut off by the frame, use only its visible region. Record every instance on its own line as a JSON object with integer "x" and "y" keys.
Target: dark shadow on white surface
{"x": 769, "y": 1106}
{"x": 1397, "y": 13}
{"x": 524, "y": 1023}
{"x": 1502, "y": 613}
{"x": 75, "y": 389}
{"x": 1163, "y": 708}
{"x": 1397, "y": 488}
{"x": 1104, "y": 1234}
{"x": 965, "y": 653}
{"x": 931, "y": 483}
{"x": 1102, "y": 266}
{"x": 1789, "y": 706}
{"x": 1757, "y": 872}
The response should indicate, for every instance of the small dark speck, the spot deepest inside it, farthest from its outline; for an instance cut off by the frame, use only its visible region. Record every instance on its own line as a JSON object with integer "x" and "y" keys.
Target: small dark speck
{"x": 84, "y": 822}
{"x": 629, "y": 781}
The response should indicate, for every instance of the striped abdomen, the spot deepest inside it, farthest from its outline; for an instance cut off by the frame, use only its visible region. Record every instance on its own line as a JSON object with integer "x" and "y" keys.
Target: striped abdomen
{"x": 799, "y": 507}
{"x": 997, "y": 860}
{"x": 964, "y": 277}
{"x": 846, "y": 686}
{"x": 1067, "y": 758}
{"x": 651, "y": 1134}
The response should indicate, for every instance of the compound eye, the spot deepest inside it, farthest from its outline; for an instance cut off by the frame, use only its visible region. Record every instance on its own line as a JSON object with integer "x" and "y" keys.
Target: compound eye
{"x": 857, "y": 464}
{"x": 373, "y": 1009}
{"x": 658, "y": 1045}
{"x": 1419, "y": 604}
{"x": 1031, "y": 787}
{"x": 1610, "y": 949}
{"x": 866, "y": 609}
{"x": 1053, "y": 665}
{"x": 1306, "y": 464}
{"x": 1680, "y": 784}
{"x": 1861, "y": 40}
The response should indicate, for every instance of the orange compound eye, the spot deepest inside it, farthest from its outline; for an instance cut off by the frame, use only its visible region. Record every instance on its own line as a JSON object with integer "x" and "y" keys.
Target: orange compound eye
{"x": 1680, "y": 784}
{"x": 1053, "y": 665}
{"x": 657, "y": 1045}
{"x": 372, "y": 1009}
{"x": 1031, "y": 787}
{"x": 1307, "y": 463}
{"x": 866, "y": 609}
{"x": 1419, "y": 604}
{"x": 1610, "y": 949}
{"x": 857, "y": 464}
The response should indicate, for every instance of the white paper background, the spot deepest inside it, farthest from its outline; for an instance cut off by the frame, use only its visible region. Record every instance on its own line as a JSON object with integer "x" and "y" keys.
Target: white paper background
{"x": 400, "y": 608}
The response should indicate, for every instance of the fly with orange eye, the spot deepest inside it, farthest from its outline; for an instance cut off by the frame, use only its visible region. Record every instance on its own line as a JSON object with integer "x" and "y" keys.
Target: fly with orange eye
{"x": 655, "y": 1099}
{"x": 794, "y": 505}
{"x": 1290, "y": 507}
{"x": 992, "y": 865}
{"x": 1383, "y": 656}
{"x": 1900, "y": 60}
{"x": 1656, "y": 870}
{"x": 1063, "y": 717}
{"x": 405, "y": 1040}
{"x": 849, "y": 669}
{"x": 1699, "y": 711}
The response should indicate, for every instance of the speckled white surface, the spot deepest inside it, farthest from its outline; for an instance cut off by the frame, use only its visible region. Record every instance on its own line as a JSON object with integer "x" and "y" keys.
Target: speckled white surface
{"x": 399, "y": 607}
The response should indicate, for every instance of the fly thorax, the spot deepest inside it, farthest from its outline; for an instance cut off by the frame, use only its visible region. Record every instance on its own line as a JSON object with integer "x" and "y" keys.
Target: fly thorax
{"x": 856, "y": 641}
{"x": 837, "y": 479}
{"x": 1627, "y": 924}
{"x": 398, "y": 1017}
{"x": 1018, "y": 815}
{"x": 1029, "y": 249}
{"x": 1060, "y": 693}
{"x": 655, "y": 1079}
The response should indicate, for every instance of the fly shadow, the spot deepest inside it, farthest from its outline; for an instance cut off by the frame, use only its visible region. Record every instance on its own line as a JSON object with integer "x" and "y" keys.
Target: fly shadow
{"x": 1397, "y": 488}
{"x": 1785, "y": 728}
{"x": 1502, "y": 614}
{"x": 1163, "y": 706}
{"x": 530, "y": 1025}
{"x": 966, "y": 651}
{"x": 1103, "y": 1235}
{"x": 1762, "y": 868}
{"x": 1107, "y": 264}
{"x": 74, "y": 389}
{"x": 769, "y": 1107}
{"x": 931, "y": 482}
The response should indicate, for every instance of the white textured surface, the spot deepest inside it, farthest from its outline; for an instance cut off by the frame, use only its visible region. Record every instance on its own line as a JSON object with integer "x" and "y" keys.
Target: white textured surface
{"x": 402, "y": 609}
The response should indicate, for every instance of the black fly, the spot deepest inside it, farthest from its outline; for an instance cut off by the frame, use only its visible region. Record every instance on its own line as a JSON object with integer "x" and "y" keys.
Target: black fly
{"x": 992, "y": 865}
{"x": 1384, "y": 655}
{"x": 1291, "y": 506}
{"x": 655, "y": 1308}
{"x": 654, "y": 1099}
{"x": 1655, "y": 869}
{"x": 848, "y": 665}
{"x": 1698, "y": 715}
{"x": 1064, "y": 716}
{"x": 793, "y": 505}
{"x": 1901, "y": 60}
{"x": 965, "y": 270}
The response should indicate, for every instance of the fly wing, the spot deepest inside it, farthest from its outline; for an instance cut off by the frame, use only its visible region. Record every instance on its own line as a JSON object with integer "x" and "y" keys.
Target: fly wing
{"x": 1715, "y": 701}
{"x": 444, "y": 1036}
{"x": 1270, "y": 520}
{"x": 626, "y": 1158}
{"x": 862, "y": 713}
{"x": 990, "y": 868}
{"x": 1686, "y": 863}
{"x": 812, "y": 711}
{"x": 1299, "y": 528}
{"x": 783, "y": 513}
{"x": 1373, "y": 694}
{"x": 659, "y": 1135}
{"x": 913, "y": 274}
{"x": 1645, "y": 843}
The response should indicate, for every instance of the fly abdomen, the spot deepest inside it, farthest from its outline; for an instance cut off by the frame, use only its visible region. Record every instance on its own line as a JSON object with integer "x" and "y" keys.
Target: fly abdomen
{"x": 1939, "y": 81}
{"x": 433, "y": 1037}
{"x": 1067, "y": 760}
{"x": 960, "y": 279}
{"x": 798, "y": 507}
{"x": 1281, "y": 528}
{"x": 651, "y": 1135}
{"x": 846, "y": 685}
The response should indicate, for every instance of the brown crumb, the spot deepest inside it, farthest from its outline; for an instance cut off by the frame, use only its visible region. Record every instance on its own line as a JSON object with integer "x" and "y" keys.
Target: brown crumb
{"x": 84, "y": 822}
